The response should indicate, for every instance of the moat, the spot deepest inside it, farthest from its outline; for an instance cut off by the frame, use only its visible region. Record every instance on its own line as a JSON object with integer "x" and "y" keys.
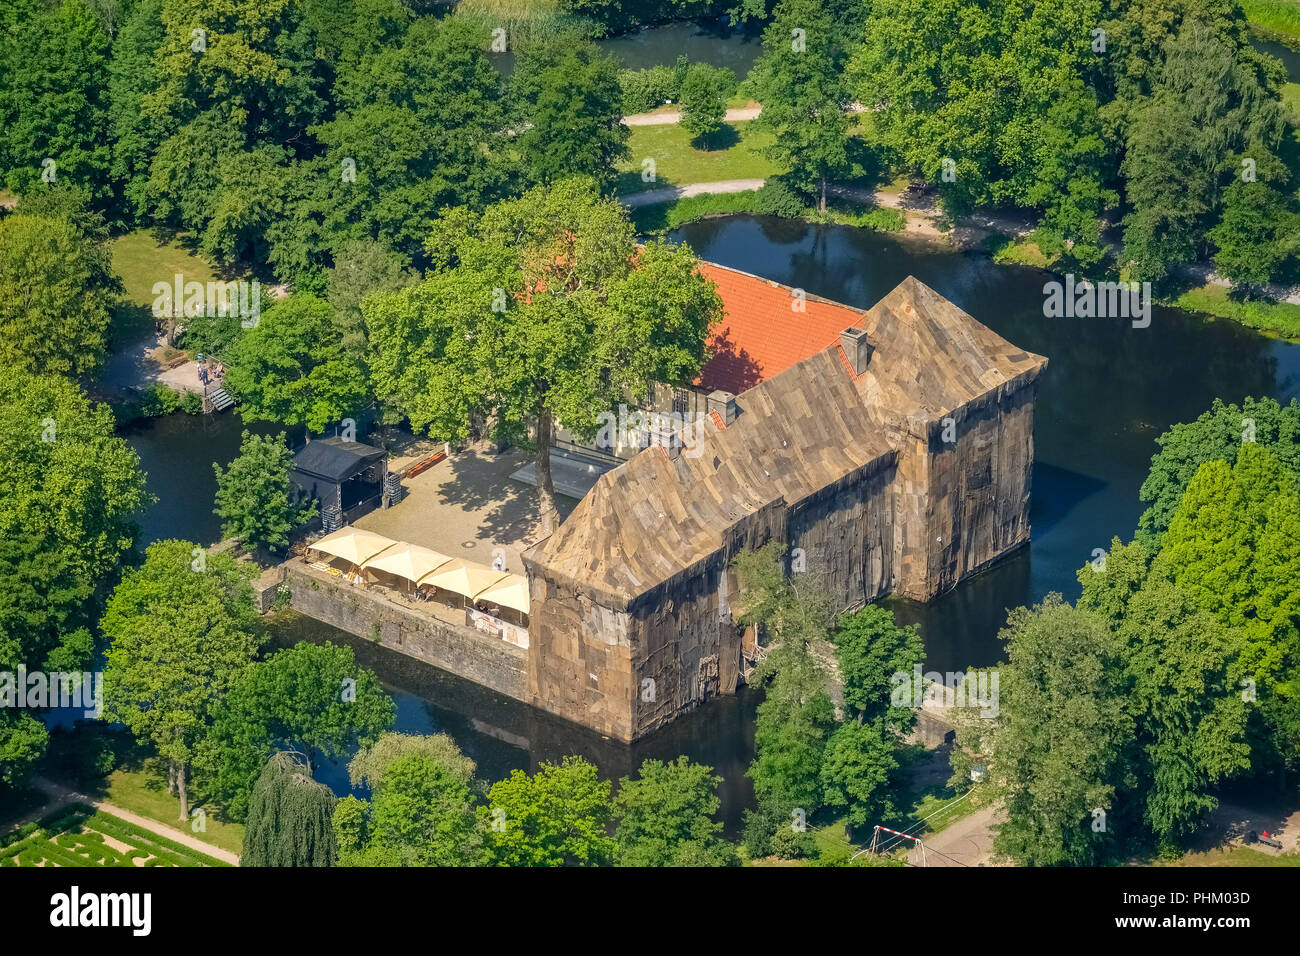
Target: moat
{"x": 1108, "y": 392}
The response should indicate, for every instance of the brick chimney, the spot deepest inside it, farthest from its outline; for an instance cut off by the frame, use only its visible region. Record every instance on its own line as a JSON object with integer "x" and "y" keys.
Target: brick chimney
{"x": 856, "y": 349}
{"x": 723, "y": 404}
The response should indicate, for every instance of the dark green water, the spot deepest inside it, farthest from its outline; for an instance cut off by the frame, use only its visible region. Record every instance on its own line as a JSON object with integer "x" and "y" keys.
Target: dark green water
{"x": 1106, "y": 395}
{"x": 709, "y": 41}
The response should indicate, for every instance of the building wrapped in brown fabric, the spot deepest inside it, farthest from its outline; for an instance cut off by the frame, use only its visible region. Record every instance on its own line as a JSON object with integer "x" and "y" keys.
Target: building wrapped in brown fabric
{"x": 895, "y": 457}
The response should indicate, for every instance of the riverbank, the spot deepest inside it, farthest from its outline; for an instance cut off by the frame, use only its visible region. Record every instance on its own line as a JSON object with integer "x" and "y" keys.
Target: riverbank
{"x": 1006, "y": 237}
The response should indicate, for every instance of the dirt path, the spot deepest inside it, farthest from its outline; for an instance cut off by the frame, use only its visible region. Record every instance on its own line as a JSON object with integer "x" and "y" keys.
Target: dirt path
{"x": 668, "y": 119}
{"x": 61, "y": 796}
{"x": 669, "y": 193}
{"x": 967, "y": 842}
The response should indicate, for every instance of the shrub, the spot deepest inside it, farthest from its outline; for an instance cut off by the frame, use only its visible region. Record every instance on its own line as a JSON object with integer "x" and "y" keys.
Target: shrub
{"x": 645, "y": 90}
{"x": 776, "y": 198}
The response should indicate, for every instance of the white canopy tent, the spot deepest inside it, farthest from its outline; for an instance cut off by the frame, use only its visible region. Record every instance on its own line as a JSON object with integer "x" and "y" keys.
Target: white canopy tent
{"x": 353, "y": 544}
{"x": 408, "y": 561}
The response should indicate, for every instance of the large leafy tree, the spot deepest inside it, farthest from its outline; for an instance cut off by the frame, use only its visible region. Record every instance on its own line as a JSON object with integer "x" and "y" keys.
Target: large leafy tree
{"x": 238, "y": 85}
{"x": 55, "y": 290}
{"x": 53, "y": 103}
{"x": 182, "y": 628}
{"x": 131, "y": 78}
{"x": 1058, "y": 743}
{"x": 543, "y": 309}
{"x": 992, "y": 103}
{"x": 255, "y": 499}
{"x": 567, "y": 109}
{"x": 290, "y": 817}
{"x": 1217, "y": 435}
{"x": 666, "y": 817}
{"x": 419, "y": 127}
{"x": 800, "y": 81}
{"x": 363, "y": 267}
{"x": 1208, "y": 106}
{"x": 796, "y": 718}
{"x": 311, "y": 700}
{"x": 70, "y": 489}
{"x": 558, "y": 816}
{"x": 1191, "y": 714}
{"x": 870, "y": 650}
{"x": 291, "y": 367}
{"x": 703, "y": 99}
{"x": 422, "y": 811}
{"x": 1233, "y": 546}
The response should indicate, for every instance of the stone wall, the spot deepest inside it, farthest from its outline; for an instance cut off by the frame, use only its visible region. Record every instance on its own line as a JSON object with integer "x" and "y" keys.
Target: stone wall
{"x": 463, "y": 651}
{"x": 979, "y": 489}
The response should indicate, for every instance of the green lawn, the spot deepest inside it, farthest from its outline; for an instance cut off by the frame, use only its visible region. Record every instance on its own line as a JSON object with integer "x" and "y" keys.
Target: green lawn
{"x": 1232, "y": 856}
{"x": 141, "y": 793}
{"x": 141, "y": 258}
{"x": 1281, "y": 17}
{"x": 679, "y": 163}
{"x": 1273, "y": 318}
{"x": 79, "y": 836}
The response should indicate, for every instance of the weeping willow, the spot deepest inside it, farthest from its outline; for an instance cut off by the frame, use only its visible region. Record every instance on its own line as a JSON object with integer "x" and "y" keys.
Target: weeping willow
{"x": 289, "y": 817}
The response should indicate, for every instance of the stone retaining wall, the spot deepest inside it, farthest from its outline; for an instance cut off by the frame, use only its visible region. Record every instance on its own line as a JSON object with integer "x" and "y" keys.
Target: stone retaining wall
{"x": 486, "y": 660}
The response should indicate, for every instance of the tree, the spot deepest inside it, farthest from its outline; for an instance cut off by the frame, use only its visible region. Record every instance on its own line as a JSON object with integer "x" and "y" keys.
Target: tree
{"x": 796, "y": 717}
{"x": 70, "y": 489}
{"x": 559, "y": 816}
{"x": 665, "y": 817}
{"x": 254, "y": 499}
{"x": 290, "y": 817}
{"x": 363, "y": 267}
{"x": 367, "y": 768}
{"x": 541, "y": 309}
{"x": 131, "y": 78}
{"x": 422, "y": 811}
{"x": 230, "y": 109}
{"x": 183, "y": 628}
{"x": 311, "y": 700}
{"x": 54, "y": 314}
{"x": 1059, "y": 742}
{"x": 1234, "y": 546}
{"x": 53, "y": 104}
{"x": 1207, "y": 107}
{"x": 1185, "y": 669}
{"x": 419, "y": 127}
{"x": 568, "y": 111}
{"x": 1256, "y": 234}
{"x": 1217, "y": 435}
{"x": 703, "y": 99}
{"x": 870, "y": 649}
{"x": 799, "y": 79}
{"x": 291, "y": 367}
{"x": 993, "y": 103}
{"x": 856, "y": 769}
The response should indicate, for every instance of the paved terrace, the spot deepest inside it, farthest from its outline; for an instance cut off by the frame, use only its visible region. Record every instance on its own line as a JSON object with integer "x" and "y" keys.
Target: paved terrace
{"x": 466, "y": 506}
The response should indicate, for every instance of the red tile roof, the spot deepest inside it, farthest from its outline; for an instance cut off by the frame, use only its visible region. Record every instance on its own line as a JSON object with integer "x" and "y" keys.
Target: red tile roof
{"x": 761, "y": 334}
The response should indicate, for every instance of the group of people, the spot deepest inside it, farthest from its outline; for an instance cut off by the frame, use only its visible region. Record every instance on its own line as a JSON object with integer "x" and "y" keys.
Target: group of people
{"x": 210, "y": 370}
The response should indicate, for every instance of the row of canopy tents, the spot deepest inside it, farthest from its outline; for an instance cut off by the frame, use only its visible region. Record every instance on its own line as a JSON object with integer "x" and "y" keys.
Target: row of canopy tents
{"x": 369, "y": 552}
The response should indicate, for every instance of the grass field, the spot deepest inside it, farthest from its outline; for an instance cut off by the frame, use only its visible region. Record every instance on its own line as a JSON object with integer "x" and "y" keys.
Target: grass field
{"x": 79, "y": 836}
{"x": 679, "y": 163}
{"x": 1273, "y": 318}
{"x": 1232, "y": 856}
{"x": 1281, "y": 17}
{"x": 139, "y": 792}
{"x": 142, "y": 258}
